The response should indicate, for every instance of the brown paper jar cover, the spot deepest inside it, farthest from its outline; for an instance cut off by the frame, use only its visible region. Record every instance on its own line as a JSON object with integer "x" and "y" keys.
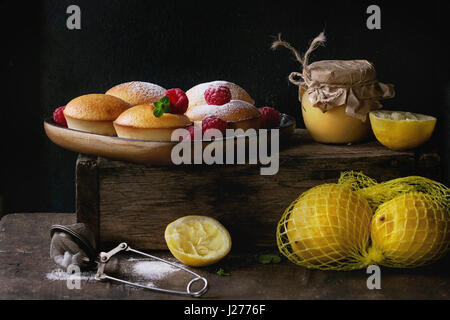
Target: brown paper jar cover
{"x": 334, "y": 83}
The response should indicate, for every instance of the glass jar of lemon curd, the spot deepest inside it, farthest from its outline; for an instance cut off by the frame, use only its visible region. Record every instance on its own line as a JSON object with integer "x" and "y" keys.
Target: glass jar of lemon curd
{"x": 337, "y": 95}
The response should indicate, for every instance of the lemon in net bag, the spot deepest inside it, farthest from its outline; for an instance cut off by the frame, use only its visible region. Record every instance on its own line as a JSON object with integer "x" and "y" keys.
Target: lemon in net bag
{"x": 332, "y": 226}
{"x": 327, "y": 227}
{"x": 410, "y": 230}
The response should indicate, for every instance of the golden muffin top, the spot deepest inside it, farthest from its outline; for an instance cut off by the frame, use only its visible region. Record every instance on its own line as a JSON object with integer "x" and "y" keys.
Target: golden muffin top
{"x": 142, "y": 116}
{"x": 96, "y": 107}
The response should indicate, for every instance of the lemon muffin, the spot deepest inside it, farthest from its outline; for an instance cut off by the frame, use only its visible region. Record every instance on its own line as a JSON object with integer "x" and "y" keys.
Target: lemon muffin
{"x": 94, "y": 113}
{"x": 137, "y": 92}
{"x": 239, "y": 114}
{"x": 140, "y": 123}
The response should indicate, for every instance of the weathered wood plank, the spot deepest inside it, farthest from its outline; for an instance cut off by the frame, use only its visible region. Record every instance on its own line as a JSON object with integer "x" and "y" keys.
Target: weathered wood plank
{"x": 87, "y": 193}
{"x": 136, "y": 202}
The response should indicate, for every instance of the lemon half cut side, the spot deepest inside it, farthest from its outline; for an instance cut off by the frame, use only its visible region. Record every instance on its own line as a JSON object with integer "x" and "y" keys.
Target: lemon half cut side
{"x": 401, "y": 130}
{"x": 198, "y": 240}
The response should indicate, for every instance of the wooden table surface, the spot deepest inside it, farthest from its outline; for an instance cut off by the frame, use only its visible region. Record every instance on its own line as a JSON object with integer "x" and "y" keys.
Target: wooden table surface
{"x": 25, "y": 263}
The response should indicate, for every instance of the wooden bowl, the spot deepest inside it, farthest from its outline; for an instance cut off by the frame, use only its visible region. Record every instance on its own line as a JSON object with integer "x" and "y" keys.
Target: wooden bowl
{"x": 139, "y": 151}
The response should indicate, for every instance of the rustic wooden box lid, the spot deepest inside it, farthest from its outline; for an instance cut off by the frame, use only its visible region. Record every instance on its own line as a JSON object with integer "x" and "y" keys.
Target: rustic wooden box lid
{"x": 129, "y": 202}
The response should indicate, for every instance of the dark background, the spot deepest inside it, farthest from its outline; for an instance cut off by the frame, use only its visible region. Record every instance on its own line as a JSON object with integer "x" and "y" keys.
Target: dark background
{"x": 183, "y": 43}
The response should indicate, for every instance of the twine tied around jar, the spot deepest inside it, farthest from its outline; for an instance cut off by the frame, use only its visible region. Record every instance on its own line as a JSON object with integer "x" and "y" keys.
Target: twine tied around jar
{"x": 304, "y": 61}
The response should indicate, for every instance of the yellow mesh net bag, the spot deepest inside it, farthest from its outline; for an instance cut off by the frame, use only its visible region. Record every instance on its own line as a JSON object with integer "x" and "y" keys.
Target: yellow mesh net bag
{"x": 379, "y": 193}
{"x": 357, "y": 222}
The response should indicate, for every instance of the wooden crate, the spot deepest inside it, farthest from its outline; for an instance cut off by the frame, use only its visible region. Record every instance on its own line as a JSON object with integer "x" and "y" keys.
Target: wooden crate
{"x": 134, "y": 203}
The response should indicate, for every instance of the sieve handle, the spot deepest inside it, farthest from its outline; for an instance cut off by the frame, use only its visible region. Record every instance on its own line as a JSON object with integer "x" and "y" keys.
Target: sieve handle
{"x": 105, "y": 256}
{"x": 199, "y": 293}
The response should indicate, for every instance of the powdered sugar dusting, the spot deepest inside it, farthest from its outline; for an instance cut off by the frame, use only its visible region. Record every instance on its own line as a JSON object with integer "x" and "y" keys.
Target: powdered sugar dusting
{"x": 196, "y": 95}
{"x": 231, "y": 111}
{"x": 138, "y": 92}
{"x": 145, "y": 88}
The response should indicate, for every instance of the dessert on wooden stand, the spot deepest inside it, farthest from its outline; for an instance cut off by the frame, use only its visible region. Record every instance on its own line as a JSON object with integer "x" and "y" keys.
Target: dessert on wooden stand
{"x": 135, "y": 121}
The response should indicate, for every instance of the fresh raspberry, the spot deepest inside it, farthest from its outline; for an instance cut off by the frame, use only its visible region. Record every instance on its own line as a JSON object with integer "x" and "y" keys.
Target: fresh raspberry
{"x": 179, "y": 102}
{"x": 189, "y": 135}
{"x": 58, "y": 116}
{"x": 217, "y": 95}
{"x": 212, "y": 122}
{"x": 270, "y": 118}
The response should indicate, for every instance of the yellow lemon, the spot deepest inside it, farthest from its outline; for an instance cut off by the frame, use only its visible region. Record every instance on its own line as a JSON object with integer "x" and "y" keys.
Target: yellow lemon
{"x": 410, "y": 230}
{"x": 333, "y": 126}
{"x": 197, "y": 240}
{"x": 401, "y": 130}
{"x": 327, "y": 227}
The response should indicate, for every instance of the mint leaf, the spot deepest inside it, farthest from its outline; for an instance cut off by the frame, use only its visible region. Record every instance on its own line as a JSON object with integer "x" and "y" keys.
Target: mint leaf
{"x": 158, "y": 104}
{"x": 166, "y": 108}
{"x": 165, "y": 104}
{"x": 222, "y": 272}
{"x": 268, "y": 258}
{"x": 162, "y": 106}
{"x": 165, "y": 100}
{"x": 158, "y": 112}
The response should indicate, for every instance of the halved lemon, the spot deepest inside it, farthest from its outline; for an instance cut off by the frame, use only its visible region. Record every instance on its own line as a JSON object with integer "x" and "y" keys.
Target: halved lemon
{"x": 401, "y": 130}
{"x": 197, "y": 240}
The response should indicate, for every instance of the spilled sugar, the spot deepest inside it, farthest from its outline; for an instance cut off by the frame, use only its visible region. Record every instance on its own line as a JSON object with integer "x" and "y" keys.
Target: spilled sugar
{"x": 146, "y": 271}
{"x": 153, "y": 270}
{"x": 59, "y": 274}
